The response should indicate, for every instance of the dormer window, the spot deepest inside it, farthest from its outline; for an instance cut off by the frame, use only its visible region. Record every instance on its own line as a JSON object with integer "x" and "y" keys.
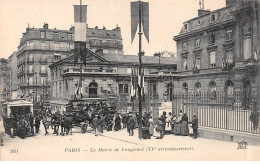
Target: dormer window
{"x": 186, "y": 27}
{"x": 229, "y": 12}
{"x": 199, "y": 22}
{"x": 213, "y": 18}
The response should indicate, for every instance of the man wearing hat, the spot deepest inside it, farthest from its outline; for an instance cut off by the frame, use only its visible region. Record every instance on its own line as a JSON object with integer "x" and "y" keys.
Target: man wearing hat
{"x": 195, "y": 125}
{"x": 95, "y": 122}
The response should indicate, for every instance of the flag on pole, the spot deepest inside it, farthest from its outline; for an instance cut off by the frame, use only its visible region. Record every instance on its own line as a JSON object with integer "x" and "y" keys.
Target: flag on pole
{"x": 139, "y": 10}
{"x": 80, "y": 19}
{"x": 133, "y": 86}
{"x": 142, "y": 91}
{"x": 256, "y": 53}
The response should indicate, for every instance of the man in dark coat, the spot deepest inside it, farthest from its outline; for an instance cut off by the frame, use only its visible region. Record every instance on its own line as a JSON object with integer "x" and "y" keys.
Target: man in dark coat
{"x": 31, "y": 119}
{"x": 37, "y": 122}
{"x": 195, "y": 125}
{"x": 163, "y": 119}
{"x": 131, "y": 125}
{"x": 95, "y": 122}
{"x": 101, "y": 123}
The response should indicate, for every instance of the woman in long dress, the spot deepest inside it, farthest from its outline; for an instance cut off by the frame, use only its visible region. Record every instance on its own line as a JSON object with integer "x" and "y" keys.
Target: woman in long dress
{"x": 151, "y": 126}
{"x": 117, "y": 123}
{"x": 184, "y": 125}
{"x": 168, "y": 126}
{"x": 177, "y": 126}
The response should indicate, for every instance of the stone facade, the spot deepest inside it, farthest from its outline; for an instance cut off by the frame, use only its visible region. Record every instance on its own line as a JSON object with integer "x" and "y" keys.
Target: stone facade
{"x": 3, "y": 80}
{"x": 219, "y": 50}
{"x": 40, "y": 47}
{"x": 109, "y": 76}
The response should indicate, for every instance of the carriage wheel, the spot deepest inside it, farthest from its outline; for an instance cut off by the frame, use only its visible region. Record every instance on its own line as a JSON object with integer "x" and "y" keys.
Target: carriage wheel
{"x": 83, "y": 128}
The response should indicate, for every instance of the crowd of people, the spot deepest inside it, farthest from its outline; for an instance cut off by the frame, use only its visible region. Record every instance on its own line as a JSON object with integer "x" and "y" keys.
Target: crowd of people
{"x": 176, "y": 124}
{"x": 166, "y": 124}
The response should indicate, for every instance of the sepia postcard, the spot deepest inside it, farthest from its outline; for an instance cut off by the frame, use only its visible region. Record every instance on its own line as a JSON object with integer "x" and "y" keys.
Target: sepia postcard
{"x": 129, "y": 80}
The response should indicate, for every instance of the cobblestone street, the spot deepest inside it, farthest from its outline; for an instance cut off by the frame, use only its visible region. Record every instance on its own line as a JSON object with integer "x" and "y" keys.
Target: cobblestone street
{"x": 109, "y": 145}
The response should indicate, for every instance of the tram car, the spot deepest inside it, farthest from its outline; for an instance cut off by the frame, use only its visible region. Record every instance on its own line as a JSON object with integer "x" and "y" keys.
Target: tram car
{"x": 16, "y": 118}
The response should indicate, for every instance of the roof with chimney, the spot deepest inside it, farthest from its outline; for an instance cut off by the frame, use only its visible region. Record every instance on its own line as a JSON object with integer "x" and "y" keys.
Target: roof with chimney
{"x": 104, "y": 33}
{"x": 100, "y": 58}
{"x": 204, "y": 20}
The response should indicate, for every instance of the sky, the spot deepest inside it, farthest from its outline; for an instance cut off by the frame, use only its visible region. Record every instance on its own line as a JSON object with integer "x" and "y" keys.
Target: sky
{"x": 166, "y": 20}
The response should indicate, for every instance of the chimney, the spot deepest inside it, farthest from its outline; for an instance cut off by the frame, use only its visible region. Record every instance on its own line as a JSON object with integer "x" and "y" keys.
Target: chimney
{"x": 72, "y": 28}
{"x": 99, "y": 52}
{"x": 202, "y": 12}
{"x": 45, "y": 26}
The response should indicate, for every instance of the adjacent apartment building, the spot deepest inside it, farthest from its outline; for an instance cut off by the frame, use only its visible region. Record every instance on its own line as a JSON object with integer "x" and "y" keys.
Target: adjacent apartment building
{"x": 219, "y": 50}
{"x": 40, "y": 47}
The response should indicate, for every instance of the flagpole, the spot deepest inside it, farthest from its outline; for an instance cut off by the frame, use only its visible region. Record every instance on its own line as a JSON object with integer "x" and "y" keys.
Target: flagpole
{"x": 80, "y": 83}
{"x": 140, "y": 70}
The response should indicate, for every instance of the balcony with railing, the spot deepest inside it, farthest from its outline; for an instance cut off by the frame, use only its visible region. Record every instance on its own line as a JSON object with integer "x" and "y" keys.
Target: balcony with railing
{"x": 30, "y": 72}
{"x": 90, "y": 71}
{"x": 43, "y": 72}
{"x": 21, "y": 73}
{"x": 30, "y": 60}
{"x": 48, "y": 48}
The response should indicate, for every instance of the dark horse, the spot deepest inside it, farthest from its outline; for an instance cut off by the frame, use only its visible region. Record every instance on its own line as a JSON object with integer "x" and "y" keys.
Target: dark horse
{"x": 66, "y": 124}
{"x": 56, "y": 121}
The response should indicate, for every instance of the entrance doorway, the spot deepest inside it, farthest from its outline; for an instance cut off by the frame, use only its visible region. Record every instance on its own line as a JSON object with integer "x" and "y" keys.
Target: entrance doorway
{"x": 93, "y": 90}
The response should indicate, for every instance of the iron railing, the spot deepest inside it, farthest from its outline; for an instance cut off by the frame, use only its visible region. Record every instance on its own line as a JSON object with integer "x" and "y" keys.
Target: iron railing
{"x": 239, "y": 111}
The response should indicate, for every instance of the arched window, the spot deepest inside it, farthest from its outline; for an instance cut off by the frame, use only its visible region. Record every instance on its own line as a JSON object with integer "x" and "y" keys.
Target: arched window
{"x": 197, "y": 88}
{"x": 185, "y": 88}
{"x": 212, "y": 89}
{"x": 229, "y": 88}
{"x": 93, "y": 90}
{"x": 169, "y": 91}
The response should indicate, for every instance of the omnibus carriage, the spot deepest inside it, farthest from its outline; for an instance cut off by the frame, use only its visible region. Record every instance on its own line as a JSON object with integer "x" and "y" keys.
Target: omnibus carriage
{"x": 13, "y": 113}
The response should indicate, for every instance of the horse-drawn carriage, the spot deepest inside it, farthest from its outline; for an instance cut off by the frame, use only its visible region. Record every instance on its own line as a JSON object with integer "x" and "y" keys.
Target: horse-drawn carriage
{"x": 82, "y": 111}
{"x": 16, "y": 116}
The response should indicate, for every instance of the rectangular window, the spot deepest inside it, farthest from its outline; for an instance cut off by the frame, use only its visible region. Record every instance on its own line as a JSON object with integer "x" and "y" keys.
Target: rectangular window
{"x": 247, "y": 48}
{"x": 212, "y": 39}
{"x": 184, "y": 63}
{"x": 42, "y": 34}
{"x": 43, "y": 45}
{"x": 197, "y": 62}
{"x": 43, "y": 80}
{"x": 128, "y": 70}
{"x": 30, "y": 68}
{"x": 30, "y": 57}
{"x": 228, "y": 35}
{"x": 229, "y": 55}
{"x": 184, "y": 46}
{"x": 154, "y": 89}
{"x": 212, "y": 60}
{"x": 197, "y": 43}
{"x": 69, "y": 37}
{"x": 123, "y": 88}
{"x": 56, "y": 36}
{"x": 43, "y": 69}
{"x": 30, "y": 80}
